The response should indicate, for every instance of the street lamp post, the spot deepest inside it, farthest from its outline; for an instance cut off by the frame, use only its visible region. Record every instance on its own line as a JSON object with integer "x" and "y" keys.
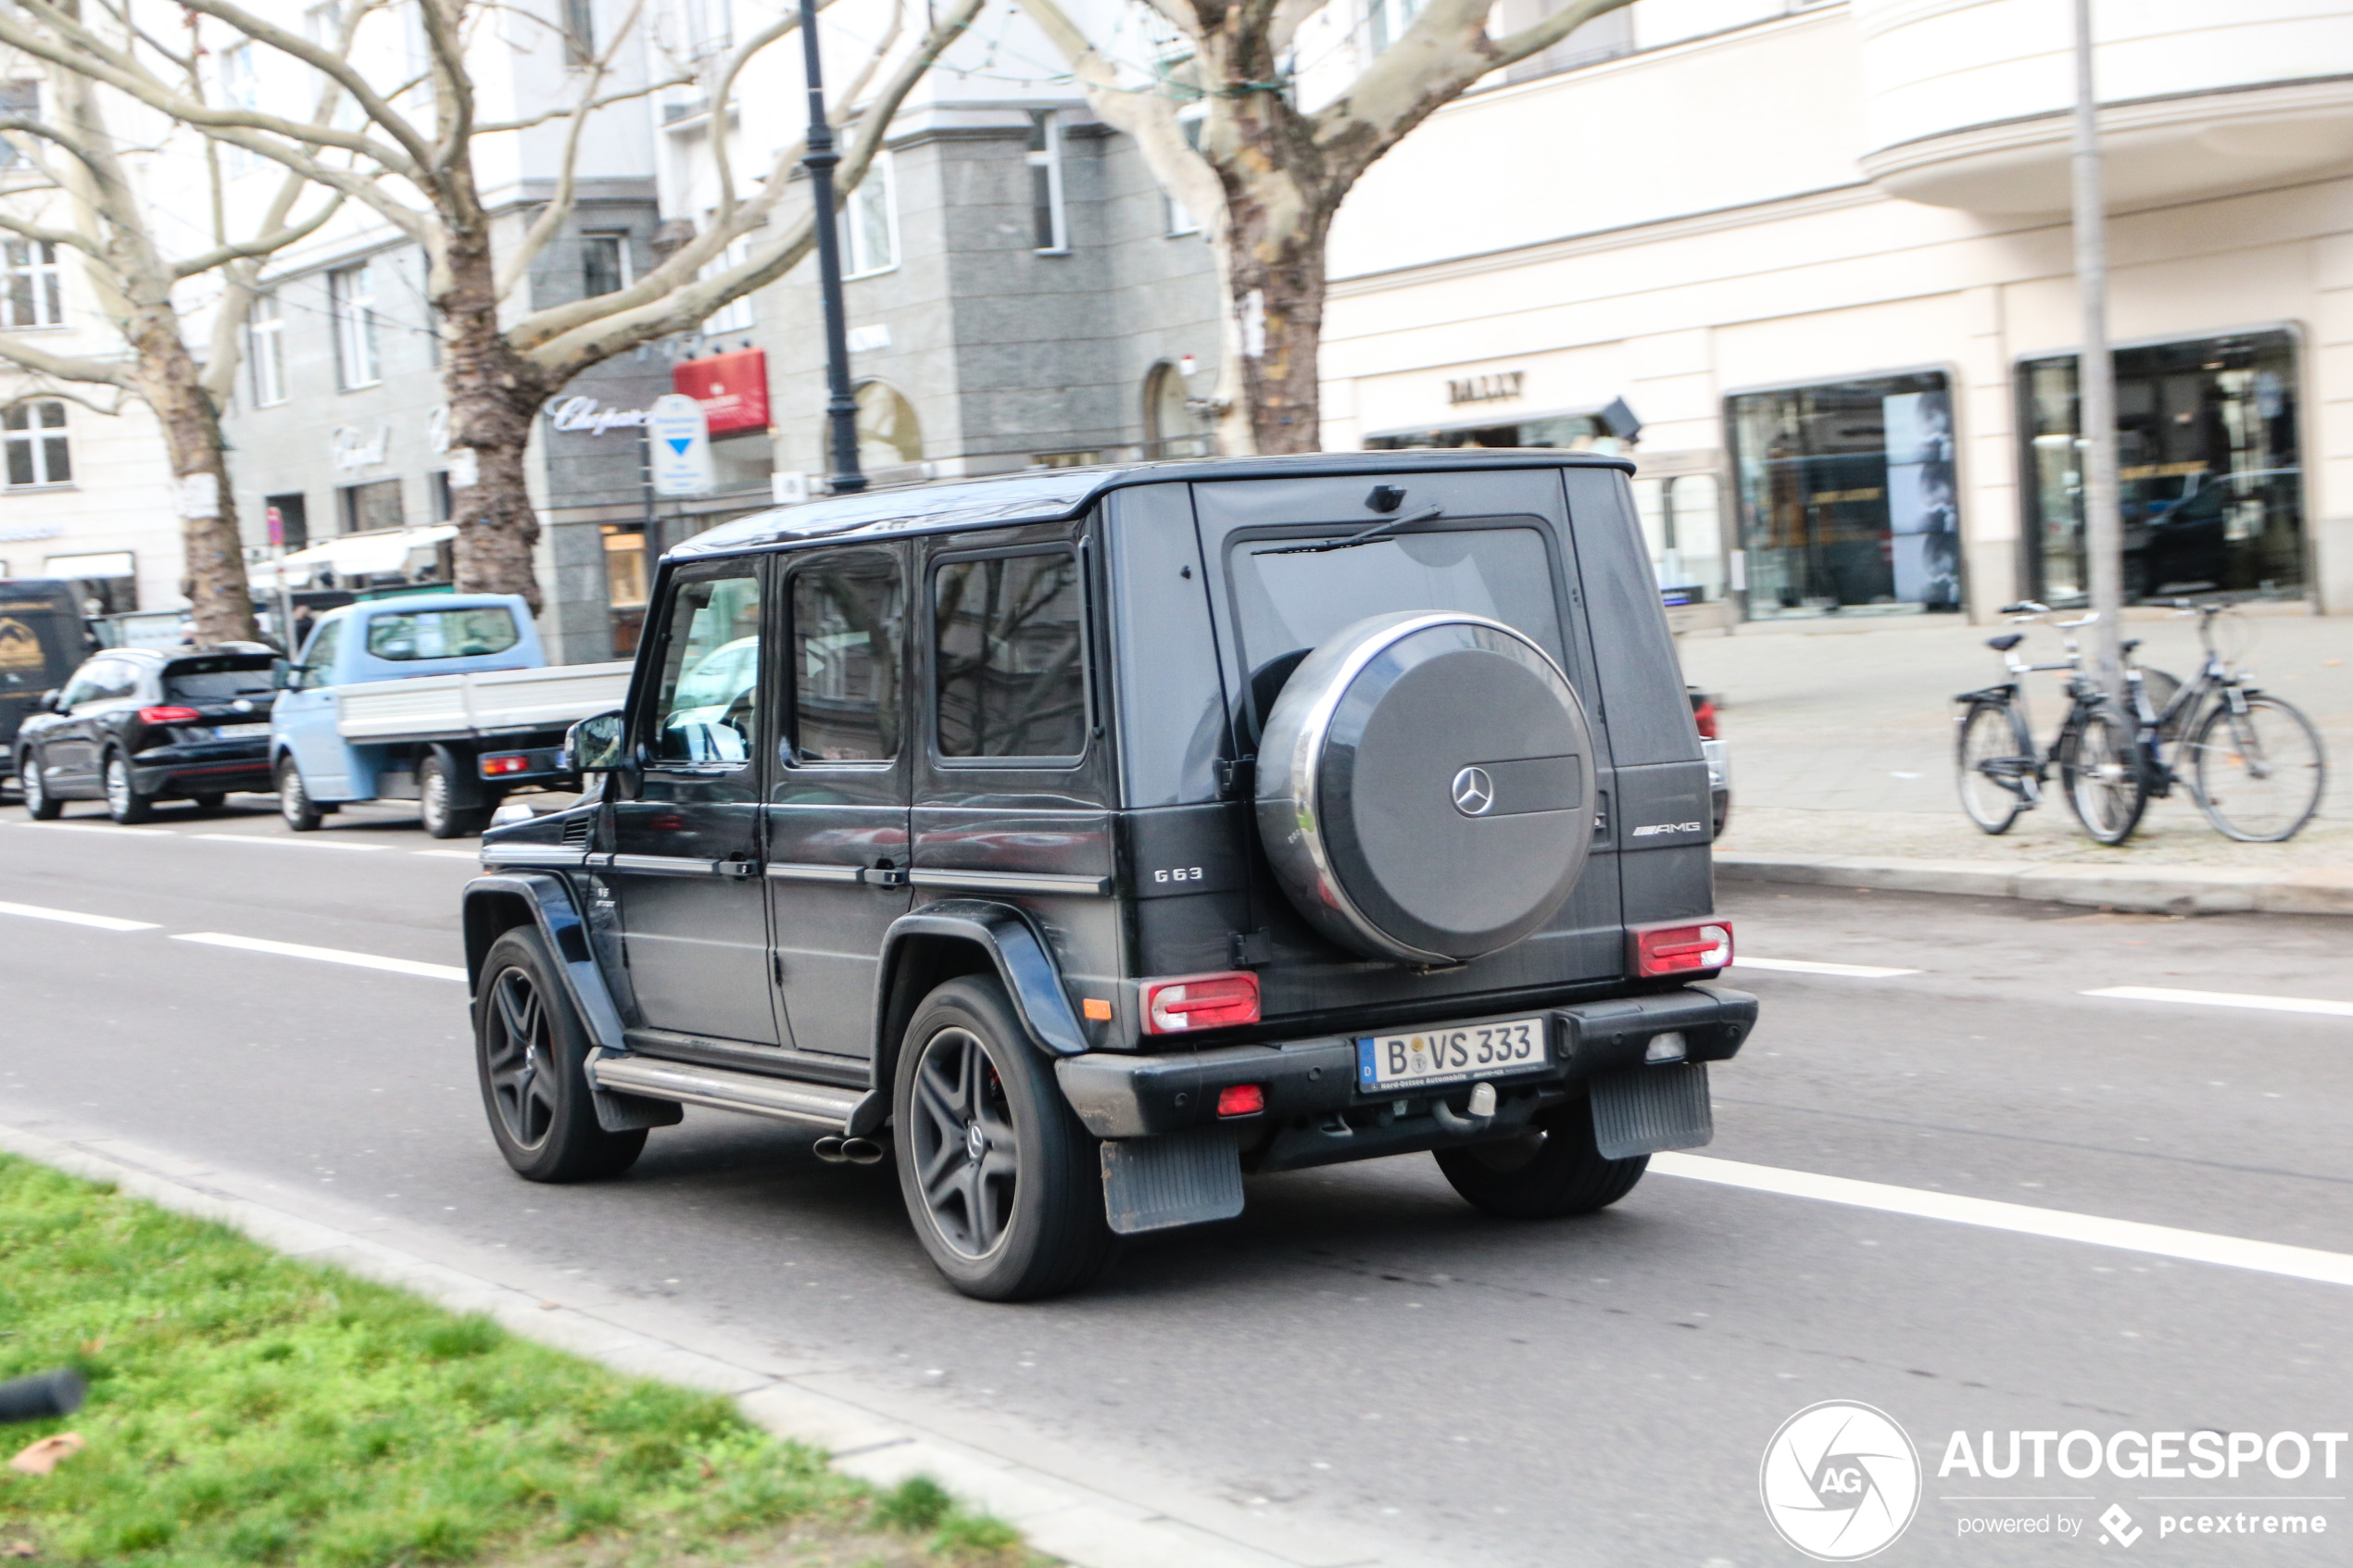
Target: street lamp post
{"x": 841, "y": 409}
{"x": 2096, "y": 374}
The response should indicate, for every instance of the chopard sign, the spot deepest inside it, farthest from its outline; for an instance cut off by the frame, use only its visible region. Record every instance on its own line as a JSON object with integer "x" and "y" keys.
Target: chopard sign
{"x": 582, "y": 414}
{"x": 1485, "y": 389}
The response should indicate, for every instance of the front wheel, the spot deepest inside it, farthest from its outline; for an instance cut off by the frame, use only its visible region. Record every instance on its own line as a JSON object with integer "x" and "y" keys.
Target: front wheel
{"x": 294, "y": 804}
{"x": 2259, "y": 773}
{"x": 1995, "y": 760}
{"x": 124, "y": 803}
{"x": 1557, "y": 1170}
{"x": 531, "y": 1051}
{"x": 38, "y": 803}
{"x": 1002, "y": 1181}
{"x": 2100, "y": 766}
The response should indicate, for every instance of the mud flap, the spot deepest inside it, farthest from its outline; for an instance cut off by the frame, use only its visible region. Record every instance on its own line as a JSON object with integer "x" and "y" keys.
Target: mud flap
{"x": 1177, "y": 1179}
{"x": 1646, "y": 1110}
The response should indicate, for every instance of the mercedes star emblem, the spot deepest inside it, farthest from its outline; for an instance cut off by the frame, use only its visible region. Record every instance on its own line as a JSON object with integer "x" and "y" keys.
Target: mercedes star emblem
{"x": 1474, "y": 792}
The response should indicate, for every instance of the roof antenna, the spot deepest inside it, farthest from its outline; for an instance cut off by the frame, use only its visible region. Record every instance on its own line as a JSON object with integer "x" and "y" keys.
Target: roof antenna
{"x": 1385, "y": 498}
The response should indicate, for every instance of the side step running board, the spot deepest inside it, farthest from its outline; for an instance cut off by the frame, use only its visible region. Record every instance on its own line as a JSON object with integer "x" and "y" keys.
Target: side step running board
{"x": 817, "y": 1105}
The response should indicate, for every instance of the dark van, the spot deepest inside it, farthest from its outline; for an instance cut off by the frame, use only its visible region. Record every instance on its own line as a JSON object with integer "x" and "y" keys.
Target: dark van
{"x": 43, "y": 638}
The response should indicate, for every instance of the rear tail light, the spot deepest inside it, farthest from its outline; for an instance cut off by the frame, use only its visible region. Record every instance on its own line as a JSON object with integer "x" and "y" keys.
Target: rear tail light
{"x": 168, "y": 715}
{"x": 1704, "y": 716}
{"x": 1681, "y": 949}
{"x": 1241, "y": 1100}
{"x": 1199, "y": 1001}
{"x": 492, "y": 766}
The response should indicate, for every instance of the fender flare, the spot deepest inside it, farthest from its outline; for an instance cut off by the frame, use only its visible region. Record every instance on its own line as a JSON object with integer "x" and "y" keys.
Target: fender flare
{"x": 1023, "y": 962}
{"x": 548, "y": 899}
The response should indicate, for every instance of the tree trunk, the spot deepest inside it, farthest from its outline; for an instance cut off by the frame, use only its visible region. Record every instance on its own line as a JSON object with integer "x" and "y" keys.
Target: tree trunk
{"x": 1277, "y": 283}
{"x": 495, "y": 393}
{"x": 219, "y": 597}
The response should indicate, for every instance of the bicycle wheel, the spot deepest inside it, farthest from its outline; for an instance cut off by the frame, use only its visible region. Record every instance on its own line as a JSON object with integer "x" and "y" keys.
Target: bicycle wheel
{"x": 2259, "y": 773}
{"x": 2100, "y": 767}
{"x": 1994, "y": 757}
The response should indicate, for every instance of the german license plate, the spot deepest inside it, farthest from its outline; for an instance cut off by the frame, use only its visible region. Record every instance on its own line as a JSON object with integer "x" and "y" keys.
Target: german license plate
{"x": 238, "y": 732}
{"x": 1451, "y": 1055}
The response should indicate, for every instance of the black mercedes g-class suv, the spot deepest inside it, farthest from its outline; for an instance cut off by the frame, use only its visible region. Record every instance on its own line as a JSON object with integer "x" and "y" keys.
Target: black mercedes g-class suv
{"x": 1082, "y": 840}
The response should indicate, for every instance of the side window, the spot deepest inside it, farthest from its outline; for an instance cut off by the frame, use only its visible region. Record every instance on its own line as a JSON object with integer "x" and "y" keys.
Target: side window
{"x": 1009, "y": 659}
{"x": 848, "y": 637}
{"x": 83, "y": 687}
{"x": 110, "y": 680}
{"x": 319, "y": 656}
{"x": 707, "y": 707}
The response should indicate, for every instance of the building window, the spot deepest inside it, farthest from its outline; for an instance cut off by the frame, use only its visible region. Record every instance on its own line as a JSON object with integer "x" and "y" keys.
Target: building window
{"x": 241, "y": 89}
{"x": 739, "y": 314}
{"x": 288, "y": 520}
{"x": 710, "y": 28}
{"x": 444, "y": 499}
{"x": 1848, "y": 496}
{"x": 21, "y": 99}
{"x": 870, "y": 222}
{"x": 2209, "y": 470}
{"x": 1604, "y": 38}
{"x": 266, "y": 332}
{"x": 580, "y": 32}
{"x": 604, "y": 264}
{"x": 38, "y": 452}
{"x": 1181, "y": 219}
{"x": 351, "y": 301}
{"x": 366, "y": 508}
{"x": 36, "y": 295}
{"x": 1049, "y": 225}
{"x": 1386, "y": 20}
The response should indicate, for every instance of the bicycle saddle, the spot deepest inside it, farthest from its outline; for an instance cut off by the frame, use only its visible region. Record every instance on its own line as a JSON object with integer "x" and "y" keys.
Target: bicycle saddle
{"x": 2005, "y": 642}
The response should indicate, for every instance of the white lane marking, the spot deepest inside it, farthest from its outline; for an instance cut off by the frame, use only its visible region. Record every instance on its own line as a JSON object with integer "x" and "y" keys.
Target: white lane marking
{"x": 112, "y": 830}
{"x": 73, "y": 917}
{"x": 451, "y": 854}
{"x": 2224, "y": 999}
{"x": 2058, "y": 1225}
{"x": 286, "y": 843}
{"x": 1806, "y": 966}
{"x": 325, "y": 955}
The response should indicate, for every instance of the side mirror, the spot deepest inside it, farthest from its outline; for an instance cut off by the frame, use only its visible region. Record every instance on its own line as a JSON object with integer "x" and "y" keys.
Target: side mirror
{"x": 47, "y": 702}
{"x": 593, "y": 746}
{"x": 281, "y": 675}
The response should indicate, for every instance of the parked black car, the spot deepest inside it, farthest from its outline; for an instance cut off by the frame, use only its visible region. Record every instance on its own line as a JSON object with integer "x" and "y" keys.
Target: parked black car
{"x": 1083, "y": 840}
{"x": 136, "y": 725}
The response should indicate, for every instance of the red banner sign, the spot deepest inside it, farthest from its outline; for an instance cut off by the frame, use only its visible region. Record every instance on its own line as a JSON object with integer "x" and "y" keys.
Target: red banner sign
{"x": 731, "y": 388}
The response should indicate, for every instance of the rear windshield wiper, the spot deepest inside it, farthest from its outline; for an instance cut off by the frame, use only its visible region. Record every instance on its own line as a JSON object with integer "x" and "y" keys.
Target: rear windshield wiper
{"x": 1372, "y": 535}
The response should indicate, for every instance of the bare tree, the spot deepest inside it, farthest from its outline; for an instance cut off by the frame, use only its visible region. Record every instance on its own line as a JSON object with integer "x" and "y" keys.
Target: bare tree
{"x": 415, "y": 169}
{"x": 109, "y": 224}
{"x": 1266, "y": 176}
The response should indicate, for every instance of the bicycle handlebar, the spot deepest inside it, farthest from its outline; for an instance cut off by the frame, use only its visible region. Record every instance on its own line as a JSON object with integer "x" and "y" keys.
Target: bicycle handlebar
{"x": 41, "y": 1396}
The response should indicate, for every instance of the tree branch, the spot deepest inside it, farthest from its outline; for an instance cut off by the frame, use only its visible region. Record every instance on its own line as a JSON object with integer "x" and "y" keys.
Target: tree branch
{"x": 66, "y": 366}
{"x": 263, "y": 245}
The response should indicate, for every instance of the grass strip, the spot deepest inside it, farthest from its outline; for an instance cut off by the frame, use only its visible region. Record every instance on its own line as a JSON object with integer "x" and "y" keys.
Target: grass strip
{"x": 245, "y": 1408}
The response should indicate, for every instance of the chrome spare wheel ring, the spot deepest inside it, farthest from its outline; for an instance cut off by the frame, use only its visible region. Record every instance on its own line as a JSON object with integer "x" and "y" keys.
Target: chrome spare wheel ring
{"x": 519, "y": 1054}
{"x": 967, "y": 1155}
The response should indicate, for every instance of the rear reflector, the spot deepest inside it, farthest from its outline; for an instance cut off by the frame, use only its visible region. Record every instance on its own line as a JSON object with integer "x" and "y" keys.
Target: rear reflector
{"x": 1704, "y": 716}
{"x": 1199, "y": 1001}
{"x": 1241, "y": 1100}
{"x": 492, "y": 766}
{"x": 168, "y": 716}
{"x": 1681, "y": 949}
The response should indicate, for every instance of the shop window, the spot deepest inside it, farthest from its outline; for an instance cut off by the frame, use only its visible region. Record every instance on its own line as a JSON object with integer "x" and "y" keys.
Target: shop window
{"x": 368, "y": 507}
{"x": 2208, "y": 468}
{"x": 38, "y": 452}
{"x": 1848, "y": 496}
{"x": 35, "y": 296}
{"x": 625, "y": 584}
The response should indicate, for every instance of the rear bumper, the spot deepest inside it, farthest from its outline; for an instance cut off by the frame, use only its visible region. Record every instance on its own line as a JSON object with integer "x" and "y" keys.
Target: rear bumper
{"x": 202, "y": 768}
{"x": 1119, "y": 1095}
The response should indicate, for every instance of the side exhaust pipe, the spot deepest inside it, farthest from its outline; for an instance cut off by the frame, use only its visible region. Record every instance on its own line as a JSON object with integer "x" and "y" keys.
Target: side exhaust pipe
{"x": 828, "y": 1148}
{"x": 834, "y": 1149}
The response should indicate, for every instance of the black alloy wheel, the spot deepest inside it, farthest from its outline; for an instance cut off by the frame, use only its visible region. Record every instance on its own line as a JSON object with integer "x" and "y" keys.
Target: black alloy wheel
{"x": 532, "y": 1053}
{"x": 1553, "y": 1171}
{"x": 124, "y": 803}
{"x": 1002, "y": 1181}
{"x": 39, "y": 804}
{"x": 294, "y": 801}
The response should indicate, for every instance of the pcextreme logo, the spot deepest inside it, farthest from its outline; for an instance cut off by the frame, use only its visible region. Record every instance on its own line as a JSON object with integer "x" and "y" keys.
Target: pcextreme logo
{"x": 1840, "y": 1481}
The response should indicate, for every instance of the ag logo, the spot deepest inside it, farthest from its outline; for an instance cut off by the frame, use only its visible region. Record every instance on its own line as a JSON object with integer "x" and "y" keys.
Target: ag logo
{"x": 1474, "y": 792}
{"x": 1840, "y": 1481}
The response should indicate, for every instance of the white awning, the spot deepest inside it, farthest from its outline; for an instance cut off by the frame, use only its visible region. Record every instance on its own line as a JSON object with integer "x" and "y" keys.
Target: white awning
{"x": 353, "y": 555}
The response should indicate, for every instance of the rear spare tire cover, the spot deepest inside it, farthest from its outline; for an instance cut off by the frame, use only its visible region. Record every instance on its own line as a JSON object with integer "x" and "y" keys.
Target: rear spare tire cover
{"x": 1425, "y": 787}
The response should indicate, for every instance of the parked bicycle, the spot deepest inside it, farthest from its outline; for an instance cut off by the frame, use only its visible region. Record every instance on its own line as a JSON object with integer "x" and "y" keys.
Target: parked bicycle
{"x": 2252, "y": 761}
{"x": 2094, "y": 753}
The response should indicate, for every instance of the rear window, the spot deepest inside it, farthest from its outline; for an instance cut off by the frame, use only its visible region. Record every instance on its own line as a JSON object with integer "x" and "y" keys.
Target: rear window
{"x": 1286, "y": 605}
{"x": 216, "y": 676}
{"x": 443, "y": 634}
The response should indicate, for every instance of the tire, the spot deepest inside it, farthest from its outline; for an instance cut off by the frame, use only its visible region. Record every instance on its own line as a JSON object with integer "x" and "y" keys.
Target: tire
{"x": 2102, "y": 771}
{"x": 443, "y": 820}
{"x": 39, "y": 804}
{"x": 1002, "y": 1224}
{"x": 210, "y": 800}
{"x": 124, "y": 803}
{"x": 1992, "y": 733}
{"x": 531, "y": 1053}
{"x": 1555, "y": 1171}
{"x": 2259, "y": 773}
{"x": 301, "y": 813}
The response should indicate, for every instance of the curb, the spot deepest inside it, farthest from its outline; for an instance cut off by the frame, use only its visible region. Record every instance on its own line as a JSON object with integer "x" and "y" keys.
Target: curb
{"x": 1090, "y": 1511}
{"x": 2179, "y": 890}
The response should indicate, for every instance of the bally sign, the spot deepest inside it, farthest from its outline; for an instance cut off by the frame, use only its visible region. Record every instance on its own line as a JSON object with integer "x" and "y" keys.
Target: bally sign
{"x": 731, "y": 388}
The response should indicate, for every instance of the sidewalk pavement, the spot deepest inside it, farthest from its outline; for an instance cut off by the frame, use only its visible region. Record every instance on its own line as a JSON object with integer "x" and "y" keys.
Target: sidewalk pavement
{"x": 1841, "y": 733}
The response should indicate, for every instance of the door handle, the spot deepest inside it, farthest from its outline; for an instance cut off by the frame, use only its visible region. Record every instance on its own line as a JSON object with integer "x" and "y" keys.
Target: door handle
{"x": 886, "y": 876}
{"x": 741, "y": 868}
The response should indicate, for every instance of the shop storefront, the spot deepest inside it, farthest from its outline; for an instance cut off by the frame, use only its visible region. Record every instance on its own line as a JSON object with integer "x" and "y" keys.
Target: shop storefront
{"x": 2209, "y": 464}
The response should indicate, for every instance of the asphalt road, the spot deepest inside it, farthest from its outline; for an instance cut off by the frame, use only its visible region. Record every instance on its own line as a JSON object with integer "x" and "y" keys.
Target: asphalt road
{"x": 1361, "y": 1348}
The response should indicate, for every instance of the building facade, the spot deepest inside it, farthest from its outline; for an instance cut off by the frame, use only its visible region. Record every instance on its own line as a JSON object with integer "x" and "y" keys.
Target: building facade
{"x": 1821, "y": 251}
